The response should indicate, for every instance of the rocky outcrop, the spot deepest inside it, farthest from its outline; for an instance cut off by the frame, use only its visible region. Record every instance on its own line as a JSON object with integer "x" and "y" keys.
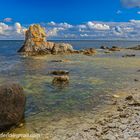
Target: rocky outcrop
{"x": 12, "y": 105}
{"x": 135, "y": 48}
{"x": 36, "y": 44}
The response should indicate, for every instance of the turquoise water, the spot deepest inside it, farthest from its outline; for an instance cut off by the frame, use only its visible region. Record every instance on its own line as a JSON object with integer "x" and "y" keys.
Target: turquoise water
{"x": 93, "y": 79}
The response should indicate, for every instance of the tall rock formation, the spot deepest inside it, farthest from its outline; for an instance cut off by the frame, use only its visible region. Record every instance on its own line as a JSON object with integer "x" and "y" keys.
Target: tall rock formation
{"x": 36, "y": 44}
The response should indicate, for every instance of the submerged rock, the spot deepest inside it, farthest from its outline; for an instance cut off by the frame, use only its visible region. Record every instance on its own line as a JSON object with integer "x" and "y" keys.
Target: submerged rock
{"x": 114, "y": 48}
{"x": 59, "y": 72}
{"x": 104, "y": 47}
{"x": 12, "y": 105}
{"x": 89, "y": 51}
{"x": 36, "y": 44}
{"x": 129, "y": 55}
{"x": 61, "y": 80}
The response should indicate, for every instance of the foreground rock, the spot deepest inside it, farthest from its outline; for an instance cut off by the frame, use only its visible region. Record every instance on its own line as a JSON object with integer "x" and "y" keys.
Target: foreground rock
{"x": 12, "y": 104}
{"x": 35, "y": 43}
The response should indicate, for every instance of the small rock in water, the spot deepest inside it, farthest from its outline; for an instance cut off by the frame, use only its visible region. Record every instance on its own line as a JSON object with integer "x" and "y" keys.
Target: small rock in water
{"x": 56, "y": 60}
{"x": 130, "y": 97}
{"x": 89, "y": 51}
{"x": 114, "y": 48}
{"x": 136, "y": 80}
{"x": 61, "y": 80}
{"x": 104, "y": 47}
{"x": 129, "y": 55}
{"x": 59, "y": 72}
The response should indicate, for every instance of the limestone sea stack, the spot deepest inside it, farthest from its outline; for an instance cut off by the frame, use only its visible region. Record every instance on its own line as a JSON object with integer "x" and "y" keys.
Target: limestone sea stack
{"x": 36, "y": 44}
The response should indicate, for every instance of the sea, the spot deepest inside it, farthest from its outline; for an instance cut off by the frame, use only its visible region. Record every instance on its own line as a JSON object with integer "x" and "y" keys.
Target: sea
{"x": 93, "y": 79}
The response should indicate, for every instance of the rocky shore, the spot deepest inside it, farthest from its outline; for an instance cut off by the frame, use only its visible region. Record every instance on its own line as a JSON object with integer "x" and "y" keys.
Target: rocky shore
{"x": 120, "y": 123}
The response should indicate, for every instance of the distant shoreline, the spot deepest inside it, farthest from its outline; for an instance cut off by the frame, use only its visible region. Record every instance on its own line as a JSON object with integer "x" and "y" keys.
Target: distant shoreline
{"x": 77, "y": 40}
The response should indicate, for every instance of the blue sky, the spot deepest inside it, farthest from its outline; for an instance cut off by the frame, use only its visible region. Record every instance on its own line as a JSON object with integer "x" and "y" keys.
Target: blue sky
{"x": 71, "y": 19}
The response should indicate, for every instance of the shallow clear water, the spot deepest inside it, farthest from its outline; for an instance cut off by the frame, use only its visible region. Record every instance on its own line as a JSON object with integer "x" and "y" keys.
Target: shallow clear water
{"x": 92, "y": 79}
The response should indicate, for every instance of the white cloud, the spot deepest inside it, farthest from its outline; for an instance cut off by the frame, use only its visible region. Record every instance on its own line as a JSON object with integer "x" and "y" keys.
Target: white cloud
{"x": 119, "y": 12}
{"x": 135, "y": 21}
{"x": 52, "y": 23}
{"x": 7, "y": 19}
{"x": 97, "y": 26}
{"x": 54, "y": 32}
{"x": 15, "y": 31}
{"x": 138, "y": 12}
{"x": 4, "y": 28}
{"x": 131, "y": 3}
{"x": 84, "y": 35}
{"x": 65, "y": 25}
{"x": 88, "y": 30}
{"x": 96, "y": 30}
{"x": 18, "y": 27}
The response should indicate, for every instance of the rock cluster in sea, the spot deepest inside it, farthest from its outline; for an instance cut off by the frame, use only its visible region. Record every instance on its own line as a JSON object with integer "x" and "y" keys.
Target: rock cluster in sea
{"x": 36, "y": 44}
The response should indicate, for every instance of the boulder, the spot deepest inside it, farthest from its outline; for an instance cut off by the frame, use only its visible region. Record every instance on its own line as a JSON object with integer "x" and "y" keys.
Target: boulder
{"x": 36, "y": 44}
{"x": 12, "y": 105}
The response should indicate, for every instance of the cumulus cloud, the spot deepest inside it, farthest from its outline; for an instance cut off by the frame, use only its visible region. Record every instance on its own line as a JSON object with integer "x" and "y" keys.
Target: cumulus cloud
{"x": 97, "y": 26}
{"x": 87, "y": 30}
{"x": 15, "y": 31}
{"x": 135, "y": 21}
{"x": 4, "y": 28}
{"x": 131, "y": 3}
{"x": 94, "y": 30}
